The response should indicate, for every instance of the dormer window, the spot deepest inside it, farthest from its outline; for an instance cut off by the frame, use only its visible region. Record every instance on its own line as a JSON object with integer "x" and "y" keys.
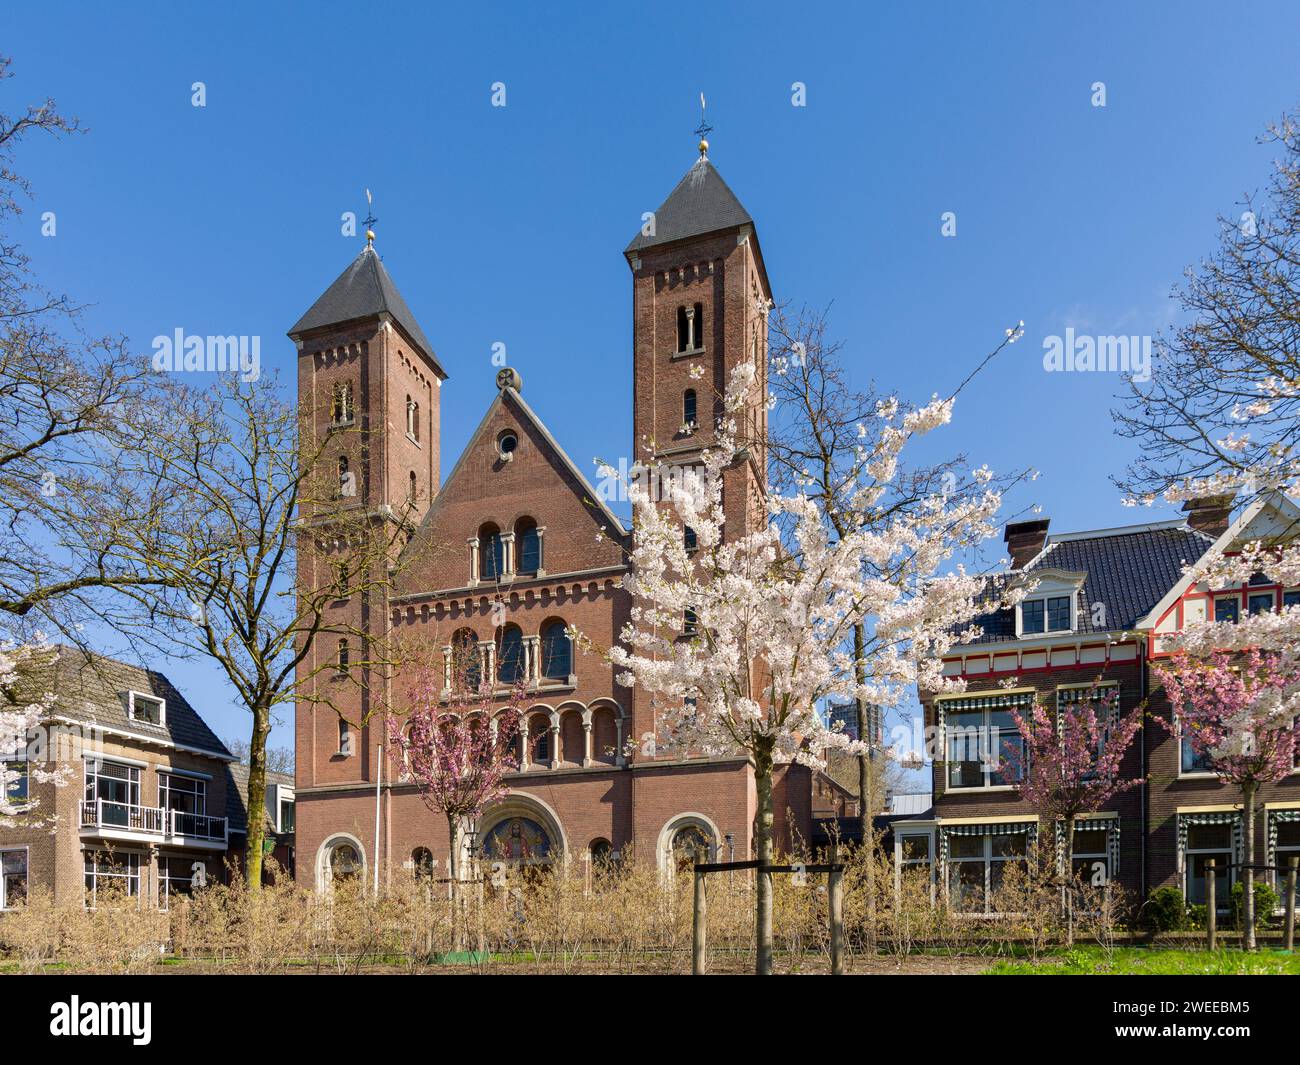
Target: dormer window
{"x": 148, "y": 709}
{"x": 1053, "y": 613}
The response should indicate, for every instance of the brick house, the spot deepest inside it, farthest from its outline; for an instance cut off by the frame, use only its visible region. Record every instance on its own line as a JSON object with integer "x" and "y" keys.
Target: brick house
{"x": 1102, "y": 610}
{"x": 514, "y": 548}
{"x": 145, "y": 802}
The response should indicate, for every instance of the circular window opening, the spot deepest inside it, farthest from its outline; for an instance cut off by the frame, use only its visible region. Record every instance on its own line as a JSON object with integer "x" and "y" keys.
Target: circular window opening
{"x": 506, "y": 444}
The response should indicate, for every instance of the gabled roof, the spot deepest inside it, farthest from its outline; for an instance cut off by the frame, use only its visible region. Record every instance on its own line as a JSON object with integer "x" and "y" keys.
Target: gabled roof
{"x": 701, "y": 203}
{"x": 1246, "y": 524}
{"x": 510, "y": 395}
{"x": 364, "y": 290}
{"x": 92, "y": 689}
{"x": 1128, "y": 571}
{"x": 237, "y": 796}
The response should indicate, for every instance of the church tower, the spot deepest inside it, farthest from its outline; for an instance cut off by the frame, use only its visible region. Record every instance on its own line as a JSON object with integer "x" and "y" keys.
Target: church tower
{"x": 369, "y": 389}
{"x": 699, "y": 300}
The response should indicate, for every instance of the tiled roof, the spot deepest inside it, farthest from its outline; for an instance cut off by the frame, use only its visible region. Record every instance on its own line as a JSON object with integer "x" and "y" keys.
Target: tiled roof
{"x": 701, "y": 203}
{"x": 92, "y": 688}
{"x": 1128, "y": 572}
{"x": 364, "y": 290}
{"x": 237, "y": 795}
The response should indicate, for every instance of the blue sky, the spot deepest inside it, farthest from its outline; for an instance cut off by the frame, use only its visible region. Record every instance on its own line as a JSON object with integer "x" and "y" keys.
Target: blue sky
{"x": 507, "y": 224}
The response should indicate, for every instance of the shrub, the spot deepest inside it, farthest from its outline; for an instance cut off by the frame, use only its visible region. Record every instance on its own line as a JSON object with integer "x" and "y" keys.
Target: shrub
{"x": 1166, "y": 910}
{"x": 1266, "y": 901}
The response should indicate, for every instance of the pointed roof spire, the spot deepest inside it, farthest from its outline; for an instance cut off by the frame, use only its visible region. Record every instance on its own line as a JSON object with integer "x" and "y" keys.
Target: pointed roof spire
{"x": 364, "y": 290}
{"x": 701, "y": 203}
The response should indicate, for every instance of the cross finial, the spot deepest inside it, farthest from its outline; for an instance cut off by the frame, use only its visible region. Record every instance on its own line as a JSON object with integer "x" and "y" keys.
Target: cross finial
{"x": 370, "y": 219}
{"x": 704, "y": 129}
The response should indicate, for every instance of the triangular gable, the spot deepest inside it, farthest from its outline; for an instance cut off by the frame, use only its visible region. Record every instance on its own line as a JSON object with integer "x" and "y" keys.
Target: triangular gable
{"x": 1268, "y": 517}
{"x": 509, "y": 407}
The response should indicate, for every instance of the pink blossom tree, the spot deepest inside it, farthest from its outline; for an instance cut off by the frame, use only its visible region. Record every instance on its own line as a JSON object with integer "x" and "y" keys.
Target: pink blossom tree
{"x": 457, "y": 742}
{"x": 1238, "y": 712}
{"x": 1072, "y": 765}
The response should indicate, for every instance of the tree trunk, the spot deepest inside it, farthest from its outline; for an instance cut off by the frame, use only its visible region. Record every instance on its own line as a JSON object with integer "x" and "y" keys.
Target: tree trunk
{"x": 763, "y": 847}
{"x": 1248, "y": 880}
{"x": 453, "y": 869}
{"x": 253, "y": 841}
{"x": 866, "y": 788}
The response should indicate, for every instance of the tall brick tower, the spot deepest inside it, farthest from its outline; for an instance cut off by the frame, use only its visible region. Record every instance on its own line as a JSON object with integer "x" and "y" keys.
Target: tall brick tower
{"x": 699, "y": 298}
{"x": 369, "y": 386}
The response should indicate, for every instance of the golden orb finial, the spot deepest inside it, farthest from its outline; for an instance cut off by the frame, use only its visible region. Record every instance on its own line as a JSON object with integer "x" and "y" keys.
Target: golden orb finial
{"x": 370, "y": 236}
{"x": 704, "y": 147}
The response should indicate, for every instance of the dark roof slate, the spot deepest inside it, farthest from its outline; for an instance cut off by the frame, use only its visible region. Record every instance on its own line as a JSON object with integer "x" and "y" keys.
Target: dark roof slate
{"x": 237, "y": 796}
{"x": 92, "y": 688}
{"x": 701, "y": 203}
{"x": 364, "y": 290}
{"x": 1128, "y": 572}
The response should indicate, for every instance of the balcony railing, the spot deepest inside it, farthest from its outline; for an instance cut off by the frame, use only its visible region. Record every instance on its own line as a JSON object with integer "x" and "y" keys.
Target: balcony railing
{"x": 152, "y": 821}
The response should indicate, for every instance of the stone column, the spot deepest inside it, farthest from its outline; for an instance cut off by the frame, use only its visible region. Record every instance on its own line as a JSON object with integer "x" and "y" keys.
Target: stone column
{"x": 532, "y": 660}
{"x": 473, "y": 559}
{"x": 525, "y": 751}
{"x": 541, "y": 551}
{"x": 555, "y": 741}
{"x": 507, "y": 554}
{"x": 586, "y": 738}
{"x": 446, "y": 668}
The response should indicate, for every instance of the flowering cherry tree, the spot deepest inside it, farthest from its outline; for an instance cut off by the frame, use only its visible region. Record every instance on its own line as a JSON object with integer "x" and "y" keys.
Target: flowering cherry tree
{"x": 21, "y": 714}
{"x": 1238, "y": 713}
{"x": 738, "y": 638}
{"x": 1072, "y": 759}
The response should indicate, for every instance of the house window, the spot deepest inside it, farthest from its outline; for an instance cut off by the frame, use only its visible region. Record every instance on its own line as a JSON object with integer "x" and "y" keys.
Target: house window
{"x": 1286, "y": 847}
{"x": 977, "y": 867}
{"x": 185, "y": 803}
{"x": 1227, "y": 608}
{"x": 146, "y": 708}
{"x": 1052, "y": 614}
{"x": 914, "y": 854}
{"x": 688, "y": 410}
{"x": 510, "y": 668}
{"x": 983, "y": 747}
{"x": 466, "y": 668}
{"x": 1203, "y": 843}
{"x": 689, "y": 540}
{"x": 114, "y": 874}
{"x": 286, "y": 817}
{"x": 1191, "y": 760}
{"x": 14, "y": 774}
{"x": 1105, "y": 707}
{"x": 176, "y": 876}
{"x": 557, "y": 651}
{"x": 1090, "y": 855}
{"x": 345, "y": 739}
{"x": 1290, "y": 599}
{"x": 1260, "y": 603}
{"x": 13, "y": 878}
{"x": 529, "y": 546}
{"x": 115, "y": 789}
{"x": 341, "y": 413}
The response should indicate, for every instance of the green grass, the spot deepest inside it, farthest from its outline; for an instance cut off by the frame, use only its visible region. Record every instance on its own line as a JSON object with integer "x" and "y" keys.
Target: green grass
{"x": 1153, "y": 961}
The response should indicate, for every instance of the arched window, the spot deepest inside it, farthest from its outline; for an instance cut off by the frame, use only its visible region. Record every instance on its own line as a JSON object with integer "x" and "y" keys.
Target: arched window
{"x": 539, "y": 738}
{"x": 412, "y": 418}
{"x": 344, "y": 863}
{"x": 345, "y": 738}
{"x": 341, "y": 410}
{"x": 347, "y": 483}
{"x": 466, "y": 661}
{"x": 690, "y": 327}
{"x": 510, "y": 661}
{"x": 557, "y": 651}
{"x": 344, "y": 661}
{"x": 529, "y": 546}
{"x": 687, "y": 842}
{"x": 688, "y": 409}
{"x": 422, "y": 863}
{"x": 688, "y": 538}
{"x": 491, "y": 553}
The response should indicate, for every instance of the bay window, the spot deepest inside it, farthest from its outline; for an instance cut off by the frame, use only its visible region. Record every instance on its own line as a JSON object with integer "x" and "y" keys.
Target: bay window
{"x": 976, "y": 863}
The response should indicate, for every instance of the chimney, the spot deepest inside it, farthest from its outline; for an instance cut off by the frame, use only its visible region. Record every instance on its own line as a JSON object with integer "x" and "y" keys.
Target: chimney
{"x": 1025, "y": 539}
{"x": 1210, "y": 514}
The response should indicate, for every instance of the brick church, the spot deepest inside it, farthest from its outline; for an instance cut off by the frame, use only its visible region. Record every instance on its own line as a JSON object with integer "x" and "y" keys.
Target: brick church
{"x": 514, "y": 549}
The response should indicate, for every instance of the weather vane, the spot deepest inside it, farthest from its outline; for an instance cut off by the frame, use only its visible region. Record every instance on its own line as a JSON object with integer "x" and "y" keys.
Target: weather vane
{"x": 370, "y": 219}
{"x": 704, "y": 129}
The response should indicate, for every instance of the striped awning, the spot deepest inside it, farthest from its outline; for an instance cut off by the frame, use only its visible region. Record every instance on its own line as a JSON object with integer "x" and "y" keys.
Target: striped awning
{"x": 1275, "y": 818}
{"x": 991, "y": 828}
{"x": 1217, "y": 817}
{"x": 1111, "y": 826}
{"x": 988, "y": 701}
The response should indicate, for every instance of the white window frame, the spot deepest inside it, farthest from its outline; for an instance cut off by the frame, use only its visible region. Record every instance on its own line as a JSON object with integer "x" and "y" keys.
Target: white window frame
{"x": 1044, "y": 597}
{"x": 165, "y": 787}
{"x": 987, "y": 861}
{"x": 17, "y": 761}
{"x": 1234, "y": 597}
{"x": 1223, "y": 889}
{"x": 901, "y": 862}
{"x": 131, "y": 697}
{"x": 985, "y": 768}
{"x": 131, "y": 876}
{"x": 27, "y": 874}
{"x": 1189, "y": 774}
{"x": 1104, "y": 855}
{"x": 165, "y": 878}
